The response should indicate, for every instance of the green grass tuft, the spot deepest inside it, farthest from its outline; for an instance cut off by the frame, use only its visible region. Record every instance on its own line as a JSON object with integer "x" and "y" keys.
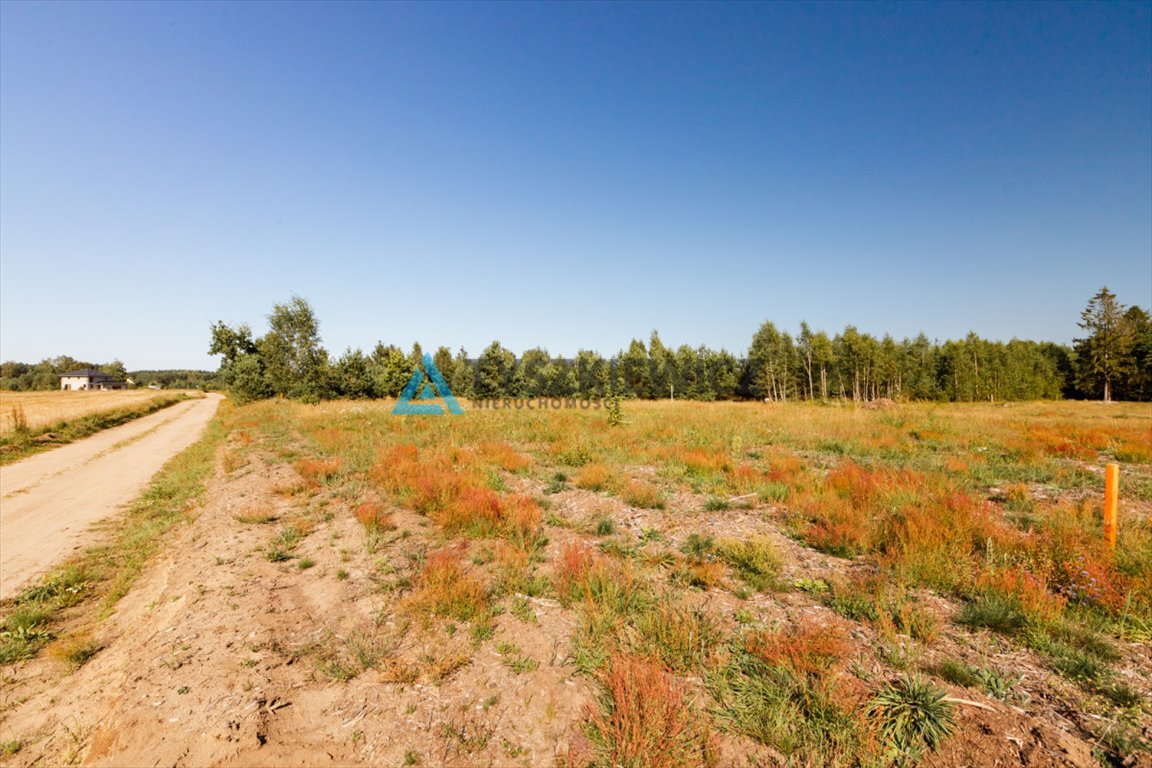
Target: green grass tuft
{"x": 911, "y": 714}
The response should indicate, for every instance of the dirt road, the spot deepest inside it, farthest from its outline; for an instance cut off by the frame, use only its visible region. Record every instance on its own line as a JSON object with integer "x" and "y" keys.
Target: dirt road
{"x": 48, "y": 501}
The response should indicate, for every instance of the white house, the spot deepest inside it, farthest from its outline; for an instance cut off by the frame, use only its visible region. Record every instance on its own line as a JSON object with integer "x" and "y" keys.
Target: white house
{"x": 89, "y": 378}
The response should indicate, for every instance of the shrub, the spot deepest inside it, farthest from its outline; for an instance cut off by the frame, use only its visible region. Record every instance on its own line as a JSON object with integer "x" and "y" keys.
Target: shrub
{"x": 615, "y": 412}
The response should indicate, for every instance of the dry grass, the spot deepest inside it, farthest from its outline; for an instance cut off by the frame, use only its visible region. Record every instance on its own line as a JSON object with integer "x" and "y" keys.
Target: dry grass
{"x": 597, "y": 477}
{"x": 318, "y": 470}
{"x": 994, "y": 509}
{"x": 74, "y": 650}
{"x": 42, "y": 409}
{"x": 642, "y": 494}
{"x": 447, "y": 588}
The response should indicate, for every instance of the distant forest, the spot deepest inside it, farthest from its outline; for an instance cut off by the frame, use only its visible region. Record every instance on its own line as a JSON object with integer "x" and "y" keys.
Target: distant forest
{"x": 26, "y": 377}
{"x": 1112, "y": 361}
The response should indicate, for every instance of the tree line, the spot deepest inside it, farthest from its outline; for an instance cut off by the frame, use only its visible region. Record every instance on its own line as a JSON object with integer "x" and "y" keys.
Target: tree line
{"x": 45, "y": 375}
{"x": 1113, "y": 360}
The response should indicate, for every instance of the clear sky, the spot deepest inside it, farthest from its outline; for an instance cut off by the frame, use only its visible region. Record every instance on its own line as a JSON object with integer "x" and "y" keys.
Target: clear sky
{"x": 566, "y": 175}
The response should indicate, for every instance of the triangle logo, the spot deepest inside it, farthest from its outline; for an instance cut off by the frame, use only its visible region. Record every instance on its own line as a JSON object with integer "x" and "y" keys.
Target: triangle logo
{"x": 427, "y": 384}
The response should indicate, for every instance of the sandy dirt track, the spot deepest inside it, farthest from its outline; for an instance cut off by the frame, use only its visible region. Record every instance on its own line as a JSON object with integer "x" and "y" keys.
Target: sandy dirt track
{"x": 48, "y": 501}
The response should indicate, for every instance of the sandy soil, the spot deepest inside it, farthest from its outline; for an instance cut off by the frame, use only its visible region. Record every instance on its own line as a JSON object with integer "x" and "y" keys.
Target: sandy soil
{"x": 215, "y": 658}
{"x": 49, "y": 500}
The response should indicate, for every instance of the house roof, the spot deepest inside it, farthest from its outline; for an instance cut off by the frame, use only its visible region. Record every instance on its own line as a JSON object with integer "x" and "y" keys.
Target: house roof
{"x": 91, "y": 373}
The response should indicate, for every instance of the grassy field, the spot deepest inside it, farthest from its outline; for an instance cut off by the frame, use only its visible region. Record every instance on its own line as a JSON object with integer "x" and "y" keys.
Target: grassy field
{"x": 716, "y": 584}
{"x": 41, "y": 409}
{"x": 921, "y": 526}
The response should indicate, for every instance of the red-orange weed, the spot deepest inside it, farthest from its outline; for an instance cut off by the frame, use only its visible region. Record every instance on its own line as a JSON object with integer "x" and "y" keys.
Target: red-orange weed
{"x": 318, "y": 470}
{"x": 446, "y": 587}
{"x": 371, "y": 515}
{"x": 645, "y": 719}
{"x": 1029, "y": 589}
{"x": 503, "y": 456}
{"x": 806, "y": 650}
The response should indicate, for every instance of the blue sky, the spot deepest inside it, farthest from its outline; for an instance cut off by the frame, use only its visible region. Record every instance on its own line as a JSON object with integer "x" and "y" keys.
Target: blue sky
{"x": 566, "y": 175}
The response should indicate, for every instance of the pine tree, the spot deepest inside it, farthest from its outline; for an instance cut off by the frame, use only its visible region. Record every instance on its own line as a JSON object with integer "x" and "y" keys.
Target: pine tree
{"x": 635, "y": 370}
{"x": 531, "y": 378}
{"x": 1136, "y": 383}
{"x": 1103, "y": 355}
{"x": 494, "y": 372}
{"x": 662, "y": 366}
{"x": 352, "y": 375}
{"x": 390, "y": 369}
{"x": 462, "y": 376}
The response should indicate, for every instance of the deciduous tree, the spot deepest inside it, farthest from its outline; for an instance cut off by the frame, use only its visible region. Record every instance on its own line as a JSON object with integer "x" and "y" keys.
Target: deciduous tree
{"x": 294, "y": 361}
